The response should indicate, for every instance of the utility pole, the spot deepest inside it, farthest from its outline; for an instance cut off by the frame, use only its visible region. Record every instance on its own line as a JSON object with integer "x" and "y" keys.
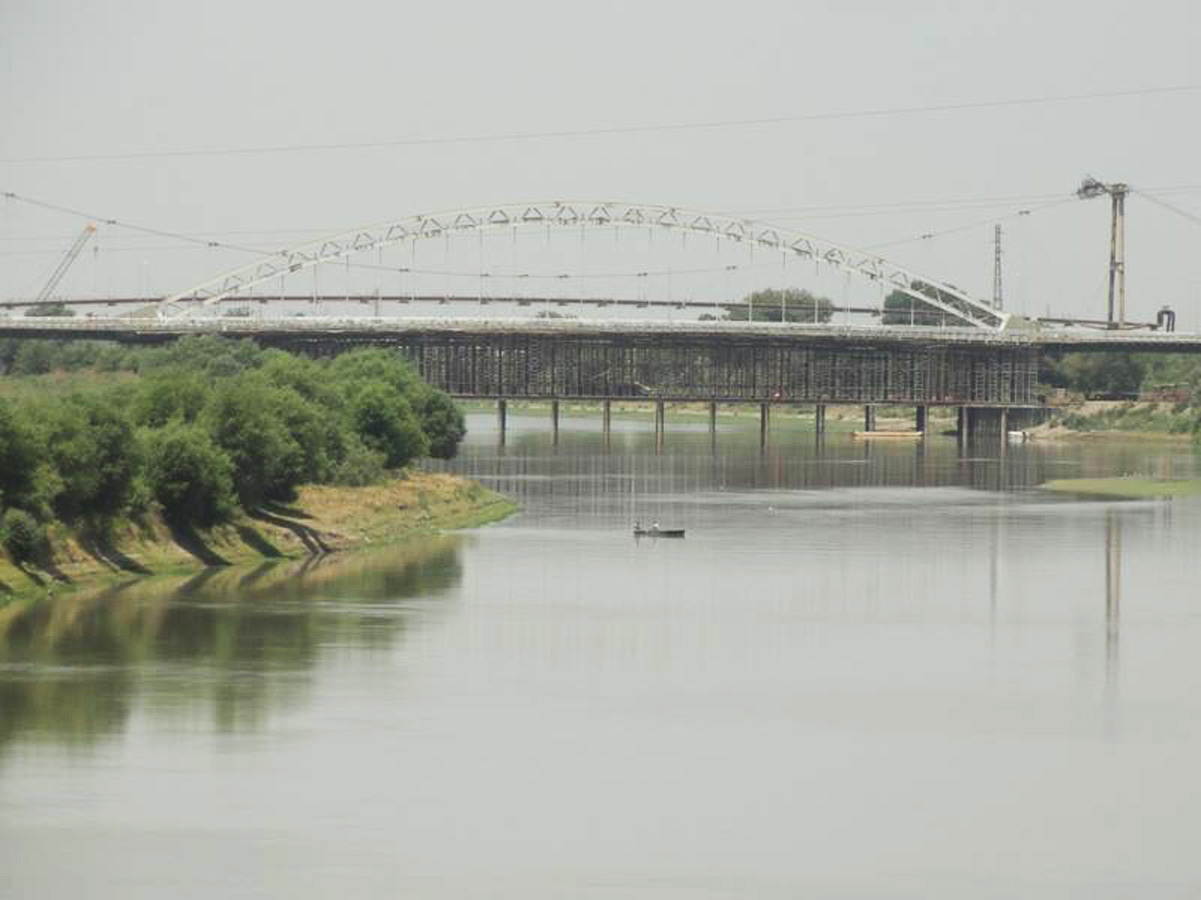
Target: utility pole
{"x": 1117, "y": 192}
{"x": 997, "y": 297}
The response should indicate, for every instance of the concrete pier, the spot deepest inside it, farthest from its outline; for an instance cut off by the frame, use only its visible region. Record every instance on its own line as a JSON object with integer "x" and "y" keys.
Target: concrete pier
{"x": 606, "y": 418}
{"x": 869, "y": 418}
{"x": 554, "y": 421}
{"x": 502, "y": 412}
{"x": 764, "y": 424}
{"x": 819, "y": 418}
{"x": 922, "y": 419}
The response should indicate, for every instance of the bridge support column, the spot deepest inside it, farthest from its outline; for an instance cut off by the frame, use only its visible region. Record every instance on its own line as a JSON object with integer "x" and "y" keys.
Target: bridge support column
{"x": 712, "y": 419}
{"x": 554, "y": 421}
{"x": 962, "y": 423}
{"x": 764, "y": 424}
{"x": 1004, "y": 429}
{"x": 869, "y": 418}
{"x": 819, "y": 418}
{"x": 502, "y": 412}
{"x": 923, "y": 418}
{"x": 606, "y": 418}
{"x": 660, "y": 423}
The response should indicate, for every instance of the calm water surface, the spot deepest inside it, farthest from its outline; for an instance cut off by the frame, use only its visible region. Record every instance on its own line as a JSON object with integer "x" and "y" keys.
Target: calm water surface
{"x": 868, "y": 671}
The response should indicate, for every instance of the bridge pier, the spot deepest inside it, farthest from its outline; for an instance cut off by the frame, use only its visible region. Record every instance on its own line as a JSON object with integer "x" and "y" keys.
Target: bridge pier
{"x": 712, "y": 420}
{"x": 606, "y": 418}
{"x": 502, "y": 412}
{"x": 869, "y": 418}
{"x": 819, "y": 418}
{"x": 961, "y": 424}
{"x": 764, "y": 424}
{"x": 923, "y": 418}
{"x": 660, "y": 424}
{"x": 554, "y": 421}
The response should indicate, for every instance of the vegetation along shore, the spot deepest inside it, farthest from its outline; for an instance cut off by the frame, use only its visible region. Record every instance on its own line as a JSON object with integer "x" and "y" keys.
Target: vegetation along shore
{"x": 116, "y": 461}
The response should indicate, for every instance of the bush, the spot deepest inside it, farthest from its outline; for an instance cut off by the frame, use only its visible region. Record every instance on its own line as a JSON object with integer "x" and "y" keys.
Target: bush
{"x": 170, "y": 397}
{"x": 243, "y": 419}
{"x": 19, "y": 454}
{"x": 91, "y": 445}
{"x": 360, "y": 465}
{"x": 386, "y": 423}
{"x": 21, "y": 534}
{"x": 190, "y": 477}
{"x": 442, "y": 423}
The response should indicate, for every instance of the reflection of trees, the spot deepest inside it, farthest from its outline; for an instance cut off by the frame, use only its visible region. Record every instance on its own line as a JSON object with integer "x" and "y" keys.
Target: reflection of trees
{"x": 239, "y": 642}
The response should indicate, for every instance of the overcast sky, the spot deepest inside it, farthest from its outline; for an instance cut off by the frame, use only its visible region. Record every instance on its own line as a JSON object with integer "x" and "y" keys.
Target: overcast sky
{"x": 137, "y": 76}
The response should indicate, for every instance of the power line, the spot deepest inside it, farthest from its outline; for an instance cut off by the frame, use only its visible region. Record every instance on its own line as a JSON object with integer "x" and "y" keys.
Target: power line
{"x": 1184, "y": 213}
{"x": 931, "y": 235}
{"x": 158, "y": 232}
{"x": 498, "y": 137}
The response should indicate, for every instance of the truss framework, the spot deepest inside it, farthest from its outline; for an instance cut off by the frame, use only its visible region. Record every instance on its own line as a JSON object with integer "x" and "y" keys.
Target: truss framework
{"x": 772, "y": 238}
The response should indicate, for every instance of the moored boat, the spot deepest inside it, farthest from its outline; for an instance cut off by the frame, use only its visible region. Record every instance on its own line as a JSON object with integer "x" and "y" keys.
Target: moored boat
{"x": 659, "y": 532}
{"x": 655, "y": 531}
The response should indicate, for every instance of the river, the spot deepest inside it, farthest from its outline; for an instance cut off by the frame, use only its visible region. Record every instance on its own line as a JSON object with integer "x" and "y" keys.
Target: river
{"x": 868, "y": 670}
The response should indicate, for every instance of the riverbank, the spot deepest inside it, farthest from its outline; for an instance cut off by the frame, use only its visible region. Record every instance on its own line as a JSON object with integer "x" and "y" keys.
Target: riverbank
{"x": 1120, "y": 420}
{"x": 323, "y": 519}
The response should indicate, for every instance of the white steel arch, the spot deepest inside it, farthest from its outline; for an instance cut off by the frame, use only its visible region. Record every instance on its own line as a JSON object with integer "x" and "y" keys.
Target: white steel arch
{"x": 788, "y": 242}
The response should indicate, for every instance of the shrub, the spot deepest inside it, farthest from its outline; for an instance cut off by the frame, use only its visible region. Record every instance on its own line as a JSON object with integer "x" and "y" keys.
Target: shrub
{"x": 360, "y": 465}
{"x": 21, "y": 534}
{"x": 190, "y": 477}
{"x": 386, "y": 423}
{"x": 91, "y": 445}
{"x": 19, "y": 454}
{"x": 243, "y": 419}
{"x": 442, "y": 423}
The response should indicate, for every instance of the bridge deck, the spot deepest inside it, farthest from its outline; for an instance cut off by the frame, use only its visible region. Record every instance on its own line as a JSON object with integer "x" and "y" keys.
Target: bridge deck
{"x": 382, "y": 330}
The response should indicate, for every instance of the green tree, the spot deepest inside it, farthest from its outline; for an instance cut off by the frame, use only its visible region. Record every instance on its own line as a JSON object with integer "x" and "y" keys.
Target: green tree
{"x": 902, "y": 309}
{"x": 19, "y": 455}
{"x": 360, "y": 464}
{"x": 167, "y": 397}
{"x": 90, "y": 443}
{"x": 189, "y": 475}
{"x": 369, "y": 366}
{"x": 787, "y": 305}
{"x": 242, "y": 418}
{"x": 52, "y": 309}
{"x": 1102, "y": 373}
{"x": 386, "y": 423}
{"x": 442, "y": 422}
{"x": 33, "y": 358}
{"x": 21, "y": 534}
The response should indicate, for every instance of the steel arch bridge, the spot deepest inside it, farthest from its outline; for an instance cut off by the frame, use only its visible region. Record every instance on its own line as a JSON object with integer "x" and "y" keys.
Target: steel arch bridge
{"x": 789, "y": 243}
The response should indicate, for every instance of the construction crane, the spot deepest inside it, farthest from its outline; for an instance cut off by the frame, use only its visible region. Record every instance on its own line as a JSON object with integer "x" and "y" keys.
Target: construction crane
{"x": 65, "y": 263}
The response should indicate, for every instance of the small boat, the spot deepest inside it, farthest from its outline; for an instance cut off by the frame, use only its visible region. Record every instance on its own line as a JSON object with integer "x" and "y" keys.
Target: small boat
{"x": 656, "y": 531}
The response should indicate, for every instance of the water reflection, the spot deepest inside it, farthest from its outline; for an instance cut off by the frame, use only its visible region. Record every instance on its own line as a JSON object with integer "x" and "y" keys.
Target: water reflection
{"x": 232, "y": 643}
{"x": 1113, "y": 599}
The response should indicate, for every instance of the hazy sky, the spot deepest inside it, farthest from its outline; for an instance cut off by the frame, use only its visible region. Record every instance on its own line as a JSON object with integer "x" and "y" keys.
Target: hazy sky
{"x": 138, "y": 76}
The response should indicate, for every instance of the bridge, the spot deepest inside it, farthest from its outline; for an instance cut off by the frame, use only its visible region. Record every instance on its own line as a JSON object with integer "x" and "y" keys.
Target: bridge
{"x": 980, "y": 359}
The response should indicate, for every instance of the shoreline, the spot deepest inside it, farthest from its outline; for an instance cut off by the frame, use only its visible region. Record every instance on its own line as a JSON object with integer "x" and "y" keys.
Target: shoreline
{"x": 323, "y": 520}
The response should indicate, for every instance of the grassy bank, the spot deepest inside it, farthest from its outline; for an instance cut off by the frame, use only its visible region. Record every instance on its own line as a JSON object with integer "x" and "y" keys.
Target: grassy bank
{"x": 323, "y": 519}
{"x": 1126, "y": 488}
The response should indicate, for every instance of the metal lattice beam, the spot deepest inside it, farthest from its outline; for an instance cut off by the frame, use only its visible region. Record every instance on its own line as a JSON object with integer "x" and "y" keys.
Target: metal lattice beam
{"x": 787, "y": 242}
